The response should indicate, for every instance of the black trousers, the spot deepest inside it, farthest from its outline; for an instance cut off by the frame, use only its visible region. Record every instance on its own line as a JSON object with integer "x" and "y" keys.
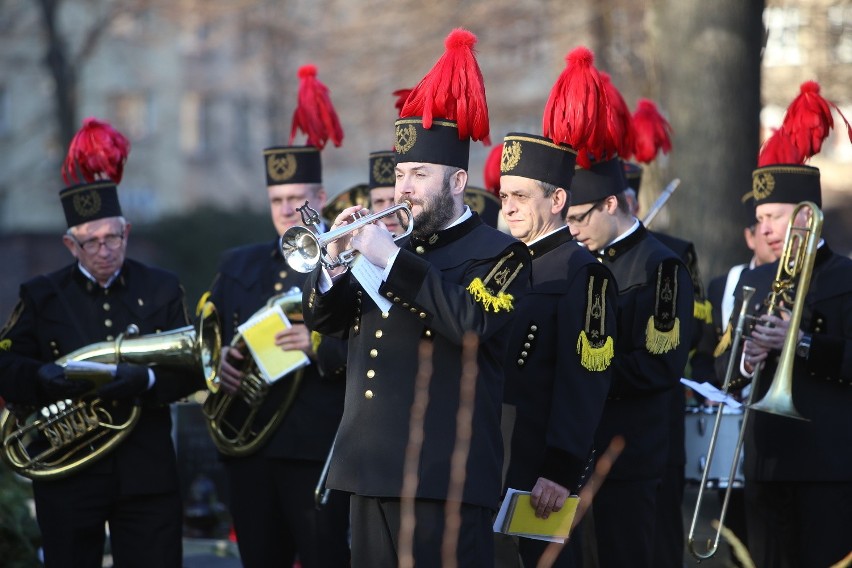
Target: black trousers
{"x": 375, "y": 534}
{"x": 625, "y": 519}
{"x": 793, "y": 524}
{"x": 669, "y": 535}
{"x": 276, "y": 519}
{"x": 145, "y": 530}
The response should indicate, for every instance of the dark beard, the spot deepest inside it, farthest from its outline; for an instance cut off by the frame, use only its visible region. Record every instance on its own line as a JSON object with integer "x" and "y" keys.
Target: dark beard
{"x": 436, "y": 214}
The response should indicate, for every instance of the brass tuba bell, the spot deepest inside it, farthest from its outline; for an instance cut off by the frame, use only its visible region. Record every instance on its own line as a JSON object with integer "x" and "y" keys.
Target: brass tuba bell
{"x": 67, "y": 435}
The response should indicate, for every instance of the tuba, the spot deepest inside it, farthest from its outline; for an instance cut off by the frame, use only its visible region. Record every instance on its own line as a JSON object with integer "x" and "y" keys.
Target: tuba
{"x": 235, "y": 421}
{"x": 62, "y": 437}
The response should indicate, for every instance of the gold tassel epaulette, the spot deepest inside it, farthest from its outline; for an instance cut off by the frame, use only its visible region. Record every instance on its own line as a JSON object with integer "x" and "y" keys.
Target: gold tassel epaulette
{"x": 662, "y": 334}
{"x": 657, "y": 341}
{"x": 489, "y": 301}
{"x": 502, "y": 275}
{"x": 595, "y": 358}
{"x": 703, "y": 311}
{"x": 316, "y": 339}
{"x": 724, "y": 342}
{"x": 5, "y": 345}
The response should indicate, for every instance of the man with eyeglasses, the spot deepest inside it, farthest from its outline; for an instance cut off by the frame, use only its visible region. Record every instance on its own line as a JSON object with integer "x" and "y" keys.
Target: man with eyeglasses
{"x": 133, "y": 488}
{"x": 655, "y": 319}
{"x": 559, "y": 361}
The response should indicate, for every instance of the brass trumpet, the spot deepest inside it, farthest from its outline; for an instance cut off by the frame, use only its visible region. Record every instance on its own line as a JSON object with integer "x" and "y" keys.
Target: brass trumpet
{"x": 304, "y": 250}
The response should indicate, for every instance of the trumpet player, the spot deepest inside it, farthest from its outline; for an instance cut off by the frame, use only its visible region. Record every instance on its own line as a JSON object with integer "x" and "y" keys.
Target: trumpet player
{"x": 454, "y": 277}
{"x": 134, "y": 488}
{"x": 799, "y": 473}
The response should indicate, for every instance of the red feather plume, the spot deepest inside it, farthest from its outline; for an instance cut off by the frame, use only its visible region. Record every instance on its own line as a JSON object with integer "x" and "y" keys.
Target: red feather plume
{"x": 97, "y": 151}
{"x": 779, "y": 149}
{"x": 619, "y": 131}
{"x": 453, "y": 89}
{"x": 401, "y": 96}
{"x": 808, "y": 119}
{"x": 314, "y": 114}
{"x": 576, "y": 111}
{"x": 491, "y": 173}
{"x": 651, "y": 132}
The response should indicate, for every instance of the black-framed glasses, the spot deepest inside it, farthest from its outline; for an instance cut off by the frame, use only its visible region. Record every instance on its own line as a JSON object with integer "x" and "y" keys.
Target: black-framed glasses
{"x": 582, "y": 218}
{"x": 92, "y": 246}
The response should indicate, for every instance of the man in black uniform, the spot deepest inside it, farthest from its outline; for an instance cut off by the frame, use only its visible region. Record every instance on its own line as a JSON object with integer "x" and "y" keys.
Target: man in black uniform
{"x": 382, "y": 180}
{"x": 454, "y": 278}
{"x": 655, "y": 309}
{"x": 558, "y": 363}
{"x": 798, "y": 473}
{"x": 134, "y": 487}
{"x": 272, "y": 489}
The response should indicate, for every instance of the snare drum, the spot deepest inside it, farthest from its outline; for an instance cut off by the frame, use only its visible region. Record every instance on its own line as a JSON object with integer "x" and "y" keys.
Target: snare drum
{"x": 699, "y": 428}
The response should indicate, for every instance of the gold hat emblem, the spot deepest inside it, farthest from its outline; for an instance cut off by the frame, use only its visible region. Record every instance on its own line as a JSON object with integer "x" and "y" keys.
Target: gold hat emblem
{"x": 762, "y": 185}
{"x": 383, "y": 170}
{"x": 511, "y": 156}
{"x": 87, "y": 203}
{"x": 281, "y": 167}
{"x": 406, "y": 136}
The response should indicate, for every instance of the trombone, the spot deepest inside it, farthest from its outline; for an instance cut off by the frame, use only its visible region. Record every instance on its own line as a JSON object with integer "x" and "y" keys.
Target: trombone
{"x": 304, "y": 250}
{"x": 797, "y": 261}
{"x": 748, "y": 292}
{"x": 795, "y": 268}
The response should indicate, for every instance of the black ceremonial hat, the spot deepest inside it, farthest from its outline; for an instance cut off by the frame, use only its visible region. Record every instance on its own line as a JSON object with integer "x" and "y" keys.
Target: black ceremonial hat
{"x": 382, "y": 166}
{"x": 633, "y": 176}
{"x": 601, "y": 180}
{"x": 292, "y": 164}
{"x": 89, "y": 202}
{"x": 446, "y": 109}
{"x": 538, "y": 158}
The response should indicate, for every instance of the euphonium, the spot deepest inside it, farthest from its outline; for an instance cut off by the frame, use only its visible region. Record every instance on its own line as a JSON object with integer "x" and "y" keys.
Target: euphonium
{"x": 234, "y": 420}
{"x": 795, "y": 268}
{"x": 69, "y": 434}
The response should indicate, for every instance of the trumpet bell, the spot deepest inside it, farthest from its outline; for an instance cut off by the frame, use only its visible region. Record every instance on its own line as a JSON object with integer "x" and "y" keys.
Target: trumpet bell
{"x": 301, "y": 249}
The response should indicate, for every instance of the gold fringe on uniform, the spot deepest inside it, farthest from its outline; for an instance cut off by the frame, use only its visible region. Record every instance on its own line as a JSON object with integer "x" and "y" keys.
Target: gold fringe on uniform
{"x": 501, "y": 301}
{"x": 658, "y": 342}
{"x": 724, "y": 342}
{"x": 703, "y": 311}
{"x": 595, "y": 358}
{"x": 5, "y": 345}
{"x": 316, "y": 339}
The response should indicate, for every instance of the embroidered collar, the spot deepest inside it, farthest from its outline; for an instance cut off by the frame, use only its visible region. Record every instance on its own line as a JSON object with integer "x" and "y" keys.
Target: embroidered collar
{"x": 620, "y": 247}
{"x": 446, "y": 236}
{"x": 550, "y": 242}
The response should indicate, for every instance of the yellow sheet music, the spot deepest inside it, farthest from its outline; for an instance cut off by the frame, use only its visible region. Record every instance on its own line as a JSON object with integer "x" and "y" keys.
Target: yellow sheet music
{"x": 517, "y": 517}
{"x": 259, "y": 333}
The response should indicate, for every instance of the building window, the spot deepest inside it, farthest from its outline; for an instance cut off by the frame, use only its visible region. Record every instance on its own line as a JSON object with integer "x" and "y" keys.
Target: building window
{"x": 783, "y": 43}
{"x": 840, "y": 34}
{"x": 196, "y": 115}
{"x": 134, "y": 114}
{"x": 242, "y": 129}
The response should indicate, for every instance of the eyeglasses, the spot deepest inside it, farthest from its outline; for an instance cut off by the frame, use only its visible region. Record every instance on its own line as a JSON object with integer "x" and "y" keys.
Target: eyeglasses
{"x": 581, "y": 220}
{"x": 93, "y": 246}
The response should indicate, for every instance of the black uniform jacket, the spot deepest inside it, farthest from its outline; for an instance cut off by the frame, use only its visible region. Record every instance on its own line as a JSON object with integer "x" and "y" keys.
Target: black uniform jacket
{"x": 248, "y": 277}
{"x": 786, "y": 449}
{"x": 429, "y": 286}
{"x": 64, "y": 311}
{"x": 558, "y": 397}
{"x": 655, "y": 302}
